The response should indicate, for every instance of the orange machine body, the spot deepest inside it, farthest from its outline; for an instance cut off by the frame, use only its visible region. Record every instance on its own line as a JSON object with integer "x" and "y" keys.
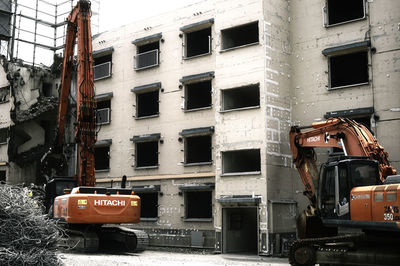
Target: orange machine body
{"x": 97, "y": 208}
{"x": 376, "y": 203}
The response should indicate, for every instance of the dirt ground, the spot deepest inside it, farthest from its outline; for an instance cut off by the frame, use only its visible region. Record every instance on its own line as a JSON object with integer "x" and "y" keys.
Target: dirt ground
{"x": 165, "y": 258}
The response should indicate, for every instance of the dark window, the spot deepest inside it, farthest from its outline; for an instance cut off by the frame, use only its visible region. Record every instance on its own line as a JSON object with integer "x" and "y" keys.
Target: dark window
{"x": 198, "y": 42}
{"x": 198, "y": 95}
{"x": 365, "y": 120}
{"x": 147, "y": 55}
{"x": 198, "y": 149}
{"x": 3, "y": 175}
{"x": 239, "y": 36}
{"x": 3, "y": 135}
{"x": 47, "y": 89}
{"x": 198, "y": 204}
{"x": 103, "y": 112}
{"x": 4, "y": 94}
{"x": 241, "y": 161}
{"x": 147, "y": 104}
{"x": 248, "y": 96}
{"x": 149, "y": 204}
{"x": 102, "y": 158}
{"x": 102, "y": 67}
{"x": 344, "y": 10}
{"x": 146, "y": 154}
{"x": 364, "y": 175}
{"x": 348, "y": 69}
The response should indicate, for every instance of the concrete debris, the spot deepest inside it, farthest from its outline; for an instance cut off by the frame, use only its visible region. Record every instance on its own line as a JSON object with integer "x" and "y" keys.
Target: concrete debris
{"x": 27, "y": 237}
{"x": 29, "y": 156}
{"x": 43, "y": 105}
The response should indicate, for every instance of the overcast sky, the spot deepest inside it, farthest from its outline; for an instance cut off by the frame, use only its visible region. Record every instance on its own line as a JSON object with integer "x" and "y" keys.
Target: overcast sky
{"x": 112, "y": 14}
{"x": 115, "y": 13}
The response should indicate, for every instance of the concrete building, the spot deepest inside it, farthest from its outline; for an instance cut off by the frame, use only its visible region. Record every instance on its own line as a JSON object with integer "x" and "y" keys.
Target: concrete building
{"x": 195, "y": 106}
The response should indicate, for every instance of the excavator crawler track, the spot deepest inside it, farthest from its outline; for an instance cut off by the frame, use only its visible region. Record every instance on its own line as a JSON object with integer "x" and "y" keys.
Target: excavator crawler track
{"x": 126, "y": 239}
{"x": 357, "y": 249}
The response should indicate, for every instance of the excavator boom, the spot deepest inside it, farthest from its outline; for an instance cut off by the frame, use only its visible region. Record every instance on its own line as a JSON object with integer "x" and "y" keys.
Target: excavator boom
{"x": 353, "y": 138}
{"x": 86, "y": 208}
{"x": 78, "y": 30}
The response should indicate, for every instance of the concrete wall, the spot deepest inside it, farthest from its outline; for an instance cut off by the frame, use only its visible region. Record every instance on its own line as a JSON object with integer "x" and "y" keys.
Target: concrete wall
{"x": 169, "y": 229}
{"x": 172, "y": 119}
{"x": 310, "y": 97}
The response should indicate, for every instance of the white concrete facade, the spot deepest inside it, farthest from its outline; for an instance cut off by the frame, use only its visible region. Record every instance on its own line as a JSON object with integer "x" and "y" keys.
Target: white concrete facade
{"x": 293, "y": 77}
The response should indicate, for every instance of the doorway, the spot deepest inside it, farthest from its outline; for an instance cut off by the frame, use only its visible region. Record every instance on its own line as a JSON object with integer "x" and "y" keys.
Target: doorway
{"x": 240, "y": 230}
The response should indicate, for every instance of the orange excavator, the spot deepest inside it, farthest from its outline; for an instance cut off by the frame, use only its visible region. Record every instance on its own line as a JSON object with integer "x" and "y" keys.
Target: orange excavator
{"x": 86, "y": 211}
{"x": 353, "y": 216}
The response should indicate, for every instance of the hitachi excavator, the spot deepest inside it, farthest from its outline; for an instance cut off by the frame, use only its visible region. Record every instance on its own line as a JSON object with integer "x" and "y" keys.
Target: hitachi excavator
{"x": 353, "y": 217}
{"x": 86, "y": 211}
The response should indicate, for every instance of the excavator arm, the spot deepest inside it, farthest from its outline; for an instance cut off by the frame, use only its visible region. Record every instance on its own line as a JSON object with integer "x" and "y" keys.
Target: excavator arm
{"x": 353, "y": 138}
{"x": 78, "y": 30}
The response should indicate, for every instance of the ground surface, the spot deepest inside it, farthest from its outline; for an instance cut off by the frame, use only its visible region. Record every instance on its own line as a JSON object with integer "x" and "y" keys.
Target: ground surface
{"x": 166, "y": 258}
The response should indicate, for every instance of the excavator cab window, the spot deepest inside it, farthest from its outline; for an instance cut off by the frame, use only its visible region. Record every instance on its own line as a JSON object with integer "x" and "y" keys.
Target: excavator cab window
{"x": 364, "y": 174}
{"x": 328, "y": 192}
{"x": 334, "y": 191}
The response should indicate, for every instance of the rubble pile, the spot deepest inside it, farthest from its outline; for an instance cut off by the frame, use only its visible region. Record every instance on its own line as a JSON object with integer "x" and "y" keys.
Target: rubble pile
{"x": 43, "y": 105}
{"x": 27, "y": 237}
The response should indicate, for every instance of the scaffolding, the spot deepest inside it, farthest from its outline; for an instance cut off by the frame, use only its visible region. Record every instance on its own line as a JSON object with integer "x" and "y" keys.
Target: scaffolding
{"x": 37, "y": 28}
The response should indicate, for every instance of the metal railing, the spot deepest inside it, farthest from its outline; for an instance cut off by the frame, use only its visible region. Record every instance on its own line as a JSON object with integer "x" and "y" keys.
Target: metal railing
{"x": 146, "y": 60}
{"x": 103, "y": 116}
{"x": 102, "y": 71}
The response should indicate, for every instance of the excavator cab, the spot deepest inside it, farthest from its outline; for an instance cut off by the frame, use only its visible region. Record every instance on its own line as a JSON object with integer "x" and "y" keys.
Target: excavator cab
{"x": 56, "y": 187}
{"x": 338, "y": 177}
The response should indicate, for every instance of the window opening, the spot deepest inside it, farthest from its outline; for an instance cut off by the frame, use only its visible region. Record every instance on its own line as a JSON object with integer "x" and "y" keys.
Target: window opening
{"x": 198, "y": 42}
{"x": 147, "y": 104}
{"x": 239, "y": 36}
{"x": 47, "y": 89}
{"x": 3, "y": 175}
{"x": 4, "y": 94}
{"x": 3, "y": 135}
{"x": 103, "y": 112}
{"x": 149, "y": 204}
{"x": 348, "y": 69}
{"x": 198, "y": 95}
{"x": 242, "y": 97}
{"x": 146, "y": 154}
{"x": 241, "y": 161}
{"x": 102, "y": 67}
{"x": 198, "y": 149}
{"x": 198, "y": 204}
{"x": 147, "y": 55}
{"x": 345, "y": 10}
{"x": 102, "y": 158}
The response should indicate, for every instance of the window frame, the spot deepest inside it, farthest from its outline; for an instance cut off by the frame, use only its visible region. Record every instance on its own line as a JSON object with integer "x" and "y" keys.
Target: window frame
{"x": 223, "y": 91}
{"x": 193, "y": 188}
{"x": 243, "y": 45}
{"x": 325, "y": 16}
{"x": 256, "y": 172}
{"x": 197, "y": 132}
{"x": 348, "y": 49}
{"x": 195, "y": 27}
{"x": 155, "y": 38}
{"x": 103, "y": 144}
{"x": 103, "y": 53}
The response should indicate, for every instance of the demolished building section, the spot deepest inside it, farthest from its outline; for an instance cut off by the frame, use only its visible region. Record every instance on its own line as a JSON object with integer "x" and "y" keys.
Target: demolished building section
{"x": 31, "y": 102}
